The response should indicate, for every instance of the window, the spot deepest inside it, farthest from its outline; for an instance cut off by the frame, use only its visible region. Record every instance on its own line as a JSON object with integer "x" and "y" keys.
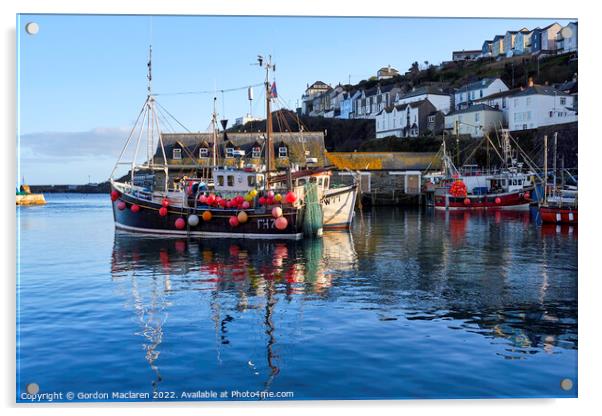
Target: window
{"x": 256, "y": 152}
{"x": 230, "y": 180}
{"x": 229, "y": 152}
{"x": 282, "y": 151}
{"x": 516, "y": 102}
{"x": 220, "y": 180}
{"x": 177, "y": 154}
{"x": 528, "y": 101}
{"x": 251, "y": 181}
{"x": 203, "y": 152}
{"x": 481, "y": 93}
{"x": 562, "y": 100}
{"x": 477, "y": 116}
{"x": 431, "y": 119}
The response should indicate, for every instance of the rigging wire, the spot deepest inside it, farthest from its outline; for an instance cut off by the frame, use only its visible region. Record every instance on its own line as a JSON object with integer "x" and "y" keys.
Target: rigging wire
{"x": 213, "y": 91}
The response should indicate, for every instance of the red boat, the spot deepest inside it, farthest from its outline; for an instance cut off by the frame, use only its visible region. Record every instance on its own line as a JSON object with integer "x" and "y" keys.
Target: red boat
{"x": 558, "y": 215}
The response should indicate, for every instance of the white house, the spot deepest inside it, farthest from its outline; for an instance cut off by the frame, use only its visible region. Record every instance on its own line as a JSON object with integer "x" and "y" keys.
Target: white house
{"x": 386, "y": 72}
{"x": 499, "y": 101}
{"x": 313, "y": 91}
{"x": 404, "y": 120}
{"x": 522, "y": 42}
{"x": 538, "y": 106}
{"x": 468, "y": 93}
{"x": 474, "y": 121}
{"x": 346, "y": 107}
{"x": 440, "y": 99}
{"x": 335, "y": 97}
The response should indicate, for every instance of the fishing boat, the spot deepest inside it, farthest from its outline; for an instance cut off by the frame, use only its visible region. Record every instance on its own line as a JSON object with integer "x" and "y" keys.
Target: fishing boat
{"x": 473, "y": 188}
{"x": 241, "y": 202}
{"x": 559, "y": 205}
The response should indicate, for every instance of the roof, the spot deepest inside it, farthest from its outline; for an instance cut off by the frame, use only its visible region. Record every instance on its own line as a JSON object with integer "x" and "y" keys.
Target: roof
{"x": 429, "y": 89}
{"x": 498, "y": 37}
{"x": 319, "y": 84}
{"x": 403, "y": 107}
{"x": 297, "y": 143}
{"x": 541, "y": 90}
{"x": 475, "y": 108}
{"x": 499, "y": 94}
{"x": 468, "y": 51}
{"x": 383, "y": 89}
{"x": 477, "y": 85}
{"x": 384, "y": 160}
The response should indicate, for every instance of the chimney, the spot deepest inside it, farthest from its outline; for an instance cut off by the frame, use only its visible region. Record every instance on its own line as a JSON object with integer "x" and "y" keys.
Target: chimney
{"x": 530, "y": 83}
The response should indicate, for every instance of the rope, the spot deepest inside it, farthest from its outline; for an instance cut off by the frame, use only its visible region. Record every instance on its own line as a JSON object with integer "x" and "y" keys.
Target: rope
{"x": 208, "y": 91}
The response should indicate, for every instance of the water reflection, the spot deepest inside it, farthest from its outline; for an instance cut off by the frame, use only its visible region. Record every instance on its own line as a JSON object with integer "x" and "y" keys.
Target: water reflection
{"x": 494, "y": 274}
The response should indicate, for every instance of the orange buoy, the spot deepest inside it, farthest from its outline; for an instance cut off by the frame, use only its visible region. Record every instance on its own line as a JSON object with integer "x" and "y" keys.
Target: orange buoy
{"x": 242, "y": 217}
{"x": 207, "y": 216}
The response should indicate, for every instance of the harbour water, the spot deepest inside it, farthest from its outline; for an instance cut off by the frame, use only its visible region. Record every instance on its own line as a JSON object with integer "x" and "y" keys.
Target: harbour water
{"x": 410, "y": 304}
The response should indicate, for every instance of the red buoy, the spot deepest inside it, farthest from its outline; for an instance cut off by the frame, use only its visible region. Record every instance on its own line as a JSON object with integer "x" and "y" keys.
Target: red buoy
{"x": 121, "y": 205}
{"x": 498, "y": 200}
{"x": 165, "y": 202}
{"x": 467, "y": 201}
{"x": 163, "y": 211}
{"x": 180, "y": 223}
{"x": 115, "y": 195}
{"x": 233, "y": 221}
{"x": 527, "y": 195}
{"x": 291, "y": 197}
{"x": 135, "y": 208}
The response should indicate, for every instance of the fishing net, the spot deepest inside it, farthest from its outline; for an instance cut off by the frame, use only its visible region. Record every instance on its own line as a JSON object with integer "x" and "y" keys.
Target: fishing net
{"x": 312, "y": 222}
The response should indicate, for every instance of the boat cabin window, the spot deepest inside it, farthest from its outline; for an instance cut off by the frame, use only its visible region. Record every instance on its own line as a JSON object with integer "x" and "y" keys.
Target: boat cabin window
{"x": 326, "y": 182}
{"x": 176, "y": 154}
{"x": 282, "y": 152}
{"x": 251, "y": 181}
{"x": 256, "y": 152}
{"x": 230, "y": 180}
{"x": 229, "y": 152}
{"x": 320, "y": 182}
{"x": 203, "y": 152}
{"x": 313, "y": 179}
{"x": 301, "y": 182}
{"x": 220, "y": 180}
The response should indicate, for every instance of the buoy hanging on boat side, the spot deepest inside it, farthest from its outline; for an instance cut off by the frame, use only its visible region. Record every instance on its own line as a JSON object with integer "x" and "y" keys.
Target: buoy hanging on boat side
{"x": 193, "y": 220}
{"x": 165, "y": 202}
{"x": 207, "y": 216}
{"x": 498, "y": 200}
{"x": 291, "y": 197}
{"x": 121, "y": 205}
{"x": 527, "y": 195}
{"x": 163, "y": 211}
{"x": 203, "y": 199}
{"x": 467, "y": 201}
{"x": 180, "y": 223}
{"x": 242, "y": 217}
{"x": 276, "y": 212}
{"x": 245, "y": 205}
{"x": 281, "y": 223}
{"x": 278, "y": 198}
{"x": 135, "y": 208}
{"x": 115, "y": 195}
{"x": 233, "y": 221}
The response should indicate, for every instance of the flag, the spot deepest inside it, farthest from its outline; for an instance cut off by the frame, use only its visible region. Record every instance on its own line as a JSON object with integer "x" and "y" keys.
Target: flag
{"x": 273, "y": 91}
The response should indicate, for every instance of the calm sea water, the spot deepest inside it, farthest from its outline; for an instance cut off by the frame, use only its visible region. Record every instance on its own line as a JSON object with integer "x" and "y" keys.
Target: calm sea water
{"x": 410, "y": 304}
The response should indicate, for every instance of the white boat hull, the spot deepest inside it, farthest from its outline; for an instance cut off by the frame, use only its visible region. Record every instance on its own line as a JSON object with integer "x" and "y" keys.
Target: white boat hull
{"x": 338, "y": 207}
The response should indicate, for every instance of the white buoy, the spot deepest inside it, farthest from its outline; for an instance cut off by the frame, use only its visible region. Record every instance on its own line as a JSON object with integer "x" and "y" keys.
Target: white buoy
{"x": 193, "y": 220}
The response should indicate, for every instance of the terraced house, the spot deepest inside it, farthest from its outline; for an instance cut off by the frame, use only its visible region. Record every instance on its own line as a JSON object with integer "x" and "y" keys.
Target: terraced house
{"x": 373, "y": 100}
{"x": 405, "y": 120}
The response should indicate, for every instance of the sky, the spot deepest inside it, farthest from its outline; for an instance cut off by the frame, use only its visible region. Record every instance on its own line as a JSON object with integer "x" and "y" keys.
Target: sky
{"x": 82, "y": 78}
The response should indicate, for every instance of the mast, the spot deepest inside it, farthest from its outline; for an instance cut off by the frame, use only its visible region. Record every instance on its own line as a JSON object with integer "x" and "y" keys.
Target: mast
{"x": 214, "y": 124}
{"x": 269, "y": 157}
{"x": 555, "y": 157}
{"x": 545, "y": 168}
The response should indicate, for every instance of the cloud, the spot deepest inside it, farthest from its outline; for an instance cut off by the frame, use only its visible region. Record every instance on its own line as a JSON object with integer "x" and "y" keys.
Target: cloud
{"x": 98, "y": 142}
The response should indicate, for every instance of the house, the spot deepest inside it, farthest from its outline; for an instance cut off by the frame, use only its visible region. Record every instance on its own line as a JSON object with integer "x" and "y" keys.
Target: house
{"x": 538, "y": 106}
{"x": 404, "y": 120}
{"x": 435, "y": 123}
{"x": 346, "y": 107}
{"x": 313, "y": 91}
{"x": 386, "y": 72}
{"x": 499, "y": 101}
{"x": 509, "y": 40}
{"x": 373, "y": 100}
{"x": 522, "y": 42}
{"x": 468, "y": 93}
{"x": 486, "y": 49}
{"x": 466, "y": 55}
{"x": 193, "y": 152}
{"x": 436, "y": 95}
{"x": 497, "y": 47}
{"x": 566, "y": 39}
{"x": 333, "y": 102}
{"x": 543, "y": 40}
{"x": 474, "y": 121}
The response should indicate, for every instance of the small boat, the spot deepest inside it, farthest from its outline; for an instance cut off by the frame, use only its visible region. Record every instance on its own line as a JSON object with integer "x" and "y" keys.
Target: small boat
{"x": 559, "y": 205}
{"x": 473, "y": 188}
{"x": 25, "y": 197}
